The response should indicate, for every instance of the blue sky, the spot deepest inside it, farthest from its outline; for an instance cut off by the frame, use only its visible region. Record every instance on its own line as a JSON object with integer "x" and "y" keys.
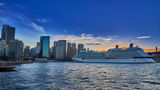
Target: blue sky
{"x": 108, "y": 22}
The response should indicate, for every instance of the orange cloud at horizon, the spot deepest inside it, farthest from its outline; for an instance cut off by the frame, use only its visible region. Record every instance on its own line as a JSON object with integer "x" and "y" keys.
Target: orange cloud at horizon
{"x": 150, "y": 50}
{"x": 94, "y": 43}
{"x": 111, "y": 47}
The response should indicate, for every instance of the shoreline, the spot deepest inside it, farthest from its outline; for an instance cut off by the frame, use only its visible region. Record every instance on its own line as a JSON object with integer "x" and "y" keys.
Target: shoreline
{"x": 17, "y": 62}
{"x": 32, "y": 61}
{"x": 155, "y": 58}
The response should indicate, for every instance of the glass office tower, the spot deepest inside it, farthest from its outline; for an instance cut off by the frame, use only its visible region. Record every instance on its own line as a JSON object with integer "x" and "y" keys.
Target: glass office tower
{"x": 44, "y": 46}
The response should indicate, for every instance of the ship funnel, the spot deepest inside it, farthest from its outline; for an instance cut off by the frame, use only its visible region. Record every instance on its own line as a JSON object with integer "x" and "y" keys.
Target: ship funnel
{"x": 117, "y": 46}
{"x": 131, "y": 45}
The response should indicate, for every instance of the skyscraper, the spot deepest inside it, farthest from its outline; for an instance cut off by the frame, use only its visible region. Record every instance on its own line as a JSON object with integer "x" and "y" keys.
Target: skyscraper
{"x": 80, "y": 47}
{"x": 54, "y": 48}
{"x": 69, "y": 49}
{"x": 44, "y": 46}
{"x": 73, "y": 50}
{"x": 60, "y": 49}
{"x": 37, "y": 48}
{"x": 27, "y": 51}
{"x": 32, "y": 52}
{"x": 8, "y": 33}
{"x": 52, "y": 53}
{"x": 74, "y": 45}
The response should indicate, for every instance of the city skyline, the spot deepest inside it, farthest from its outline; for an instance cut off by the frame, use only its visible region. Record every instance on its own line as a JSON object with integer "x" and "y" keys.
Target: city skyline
{"x": 99, "y": 27}
{"x": 79, "y": 44}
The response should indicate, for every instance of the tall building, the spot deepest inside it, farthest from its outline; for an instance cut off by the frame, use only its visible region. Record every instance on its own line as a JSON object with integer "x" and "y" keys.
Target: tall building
{"x": 9, "y": 46}
{"x": 8, "y": 33}
{"x": 60, "y": 49}
{"x": 27, "y": 51}
{"x": 74, "y": 50}
{"x": 59, "y": 53}
{"x": 37, "y": 48}
{"x": 35, "y": 52}
{"x": 54, "y": 48}
{"x": 80, "y": 47}
{"x": 44, "y": 46}
{"x": 32, "y": 52}
{"x": 52, "y": 53}
{"x": 69, "y": 49}
{"x": 15, "y": 50}
{"x": 74, "y": 45}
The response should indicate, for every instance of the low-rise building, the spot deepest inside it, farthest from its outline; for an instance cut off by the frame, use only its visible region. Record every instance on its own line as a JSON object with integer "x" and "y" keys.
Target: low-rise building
{"x": 3, "y": 48}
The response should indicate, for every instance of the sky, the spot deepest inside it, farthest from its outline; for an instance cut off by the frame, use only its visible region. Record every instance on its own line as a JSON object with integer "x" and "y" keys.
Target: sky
{"x": 99, "y": 24}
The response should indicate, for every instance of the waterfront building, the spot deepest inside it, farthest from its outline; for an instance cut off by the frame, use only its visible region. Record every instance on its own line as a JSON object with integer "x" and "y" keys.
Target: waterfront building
{"x": 27, "y": 51}
{"x": 32, "y": 52}
{"x": 35, "y": 52}
{"x": 74, "y": 50}
{"x": 8, "y": 33}
{"x": 37, "y": 48}
{"x": 52, "y": 53}
{"x": 60, "y": 49}
{"x": 59, "y": 53}
{"x": 74, "y": 45}
{"x": 3, "y": 48}
{"x": 15, "y": 50}
{"x": 80, "y": 47}
{"x": 44, "y": 46}
{"x": 54, "y": 48}
{"x": 69, "y": 48}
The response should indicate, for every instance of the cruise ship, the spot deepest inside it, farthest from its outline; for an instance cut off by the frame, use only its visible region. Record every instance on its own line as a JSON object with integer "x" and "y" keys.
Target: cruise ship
{"x": 115, "y": 55}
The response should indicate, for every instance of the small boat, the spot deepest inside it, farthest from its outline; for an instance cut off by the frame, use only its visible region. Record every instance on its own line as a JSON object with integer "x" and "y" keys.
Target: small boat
{"x": 6, "y": 67}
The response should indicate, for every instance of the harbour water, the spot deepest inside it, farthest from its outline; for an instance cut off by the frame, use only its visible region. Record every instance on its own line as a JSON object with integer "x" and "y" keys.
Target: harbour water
{"x": 70, "y": 75}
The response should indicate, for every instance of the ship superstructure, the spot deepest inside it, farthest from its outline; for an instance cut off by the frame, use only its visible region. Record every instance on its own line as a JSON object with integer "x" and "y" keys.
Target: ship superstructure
{"x": 115, "y": 55}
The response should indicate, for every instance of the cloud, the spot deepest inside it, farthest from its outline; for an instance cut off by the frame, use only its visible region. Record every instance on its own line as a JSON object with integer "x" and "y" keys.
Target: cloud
{"x": 143, "y": 37}
{"x": 133, "y": 41}
{"x": 94, "y": 44}
{"x": 64, "y": 30}
{"x": 11, "y": 15}
{"x": 3, "y": 19}
{"x": 108, "y": 39}
{"x": 37, "y": 27}
{"x": 2, "y": 7}
{"x": 83, "y": 38}
{"x": 2, "y": 4}
{"x": 20, "y": 17}
{"x": 41, "y": 20}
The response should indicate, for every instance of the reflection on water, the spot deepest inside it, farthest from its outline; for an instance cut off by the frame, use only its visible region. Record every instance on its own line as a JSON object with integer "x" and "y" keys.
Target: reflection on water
{"x": 68, "y": 75}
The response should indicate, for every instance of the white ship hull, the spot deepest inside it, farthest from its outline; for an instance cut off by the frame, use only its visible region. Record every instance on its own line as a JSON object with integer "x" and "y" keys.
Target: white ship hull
{"x": 133, "y": 60}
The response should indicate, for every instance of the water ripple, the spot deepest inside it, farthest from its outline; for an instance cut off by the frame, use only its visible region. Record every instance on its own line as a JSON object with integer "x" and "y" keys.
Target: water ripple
{"x": 71, "y": 76}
